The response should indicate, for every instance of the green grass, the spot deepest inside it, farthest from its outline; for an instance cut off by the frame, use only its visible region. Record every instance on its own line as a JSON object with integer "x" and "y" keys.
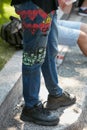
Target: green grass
{"x": 6, "y": 51}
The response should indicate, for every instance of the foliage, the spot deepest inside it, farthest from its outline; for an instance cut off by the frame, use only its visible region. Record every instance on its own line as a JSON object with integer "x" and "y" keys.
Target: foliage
{"x": 6, "y": 51}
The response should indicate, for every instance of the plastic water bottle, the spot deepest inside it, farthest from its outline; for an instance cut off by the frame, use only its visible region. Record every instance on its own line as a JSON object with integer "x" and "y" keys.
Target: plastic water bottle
{"x": 59, "y": 60}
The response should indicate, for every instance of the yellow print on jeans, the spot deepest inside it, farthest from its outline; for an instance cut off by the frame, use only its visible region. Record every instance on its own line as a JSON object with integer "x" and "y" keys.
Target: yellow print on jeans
{"x": 47, "y": 20}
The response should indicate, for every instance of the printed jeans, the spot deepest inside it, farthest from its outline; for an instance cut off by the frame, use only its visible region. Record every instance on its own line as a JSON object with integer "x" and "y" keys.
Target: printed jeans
{"x": 39, "y": 51}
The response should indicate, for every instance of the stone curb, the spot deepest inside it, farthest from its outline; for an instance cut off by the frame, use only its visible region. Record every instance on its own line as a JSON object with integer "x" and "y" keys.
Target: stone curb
{"x": 10, "y": 83}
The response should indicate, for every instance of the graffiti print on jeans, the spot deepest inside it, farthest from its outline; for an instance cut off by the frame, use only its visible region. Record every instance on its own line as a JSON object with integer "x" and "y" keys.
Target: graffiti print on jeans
{"x": 34, "y": 57}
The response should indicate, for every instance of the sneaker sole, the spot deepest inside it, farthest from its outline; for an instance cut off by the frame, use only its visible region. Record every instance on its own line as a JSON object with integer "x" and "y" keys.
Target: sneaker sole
{"x": 82, "y": 14}
{"x": 61, "y": 105}
{"x": 39, "y": 122}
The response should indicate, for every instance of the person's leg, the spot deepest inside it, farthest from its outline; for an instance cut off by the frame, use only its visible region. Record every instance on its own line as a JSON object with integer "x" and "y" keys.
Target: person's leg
{"x": 84, "y": 27}
{"x": 57, "y": 97}
{"x": 36, "y": 29}
{"x": 84, "y": 4}
{"x": 82, "y": 42}
{"x": 34, "y": 49}
{"x": 70, "y": 24}
{"x": 49, "y": 69}
{"x": 72, "y": 33}
{"x": 73, "y": 25}
{"x": 83, "y": 9}
{"x": 68, "y": 36}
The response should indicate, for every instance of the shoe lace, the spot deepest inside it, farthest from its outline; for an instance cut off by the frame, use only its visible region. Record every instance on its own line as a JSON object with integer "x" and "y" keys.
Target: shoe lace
{"x": 66, "y": 94}
{"x": 41, "y": 108}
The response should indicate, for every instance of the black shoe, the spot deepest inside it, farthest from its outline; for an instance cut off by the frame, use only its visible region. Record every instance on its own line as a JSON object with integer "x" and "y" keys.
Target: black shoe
{"x": 54, "y": 102}
{"x": 82, "y": 12}
{"x": 39, "y": 115}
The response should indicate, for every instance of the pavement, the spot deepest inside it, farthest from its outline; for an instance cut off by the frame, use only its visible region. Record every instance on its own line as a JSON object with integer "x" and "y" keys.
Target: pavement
{"x": 72, "y": 73}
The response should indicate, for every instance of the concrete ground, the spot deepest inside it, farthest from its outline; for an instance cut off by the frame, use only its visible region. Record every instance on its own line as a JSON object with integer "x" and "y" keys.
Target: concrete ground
{"x": 73, "y": 78}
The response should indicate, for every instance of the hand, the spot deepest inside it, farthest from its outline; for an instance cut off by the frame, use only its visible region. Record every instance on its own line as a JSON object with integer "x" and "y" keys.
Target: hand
{"x": 65, "y": 8}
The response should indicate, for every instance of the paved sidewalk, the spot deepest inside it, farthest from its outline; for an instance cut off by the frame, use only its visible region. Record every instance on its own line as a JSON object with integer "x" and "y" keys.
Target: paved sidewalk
{"x": 73, "y": 78}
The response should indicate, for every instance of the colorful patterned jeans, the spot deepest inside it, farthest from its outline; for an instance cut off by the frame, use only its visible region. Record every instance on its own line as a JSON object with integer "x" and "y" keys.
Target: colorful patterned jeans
{"x": 39, "y": 51}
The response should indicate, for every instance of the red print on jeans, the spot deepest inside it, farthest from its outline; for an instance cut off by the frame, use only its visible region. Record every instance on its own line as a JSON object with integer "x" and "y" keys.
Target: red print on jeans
{"x": 34, "y": 27}
{"x": 32, "y": 14}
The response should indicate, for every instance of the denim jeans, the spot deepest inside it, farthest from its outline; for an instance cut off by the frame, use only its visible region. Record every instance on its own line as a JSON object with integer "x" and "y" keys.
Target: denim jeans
{"x": 39, "y": 51}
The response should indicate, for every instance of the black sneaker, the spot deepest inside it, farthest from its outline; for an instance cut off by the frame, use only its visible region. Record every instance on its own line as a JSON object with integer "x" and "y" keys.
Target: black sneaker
{"x": 39, "y": 115}
{"x": 82, "y": 12}
{"x": 54, "y": 102}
